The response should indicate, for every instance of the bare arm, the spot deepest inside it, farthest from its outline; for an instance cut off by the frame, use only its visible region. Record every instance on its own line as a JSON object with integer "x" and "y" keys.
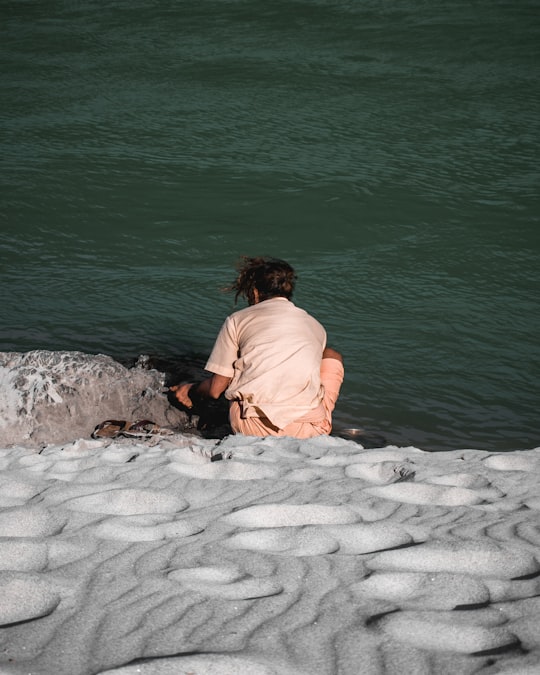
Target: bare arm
{"x": 330, "y": 353}
{"x": 212, "y": 387}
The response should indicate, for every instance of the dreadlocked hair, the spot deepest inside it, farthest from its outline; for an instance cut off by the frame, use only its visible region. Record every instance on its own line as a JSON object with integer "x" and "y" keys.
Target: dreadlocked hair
{"x": 270, "y": 277}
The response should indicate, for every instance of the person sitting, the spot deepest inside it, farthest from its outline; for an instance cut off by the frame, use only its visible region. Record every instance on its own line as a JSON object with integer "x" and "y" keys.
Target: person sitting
{"x": 270, "y": 359}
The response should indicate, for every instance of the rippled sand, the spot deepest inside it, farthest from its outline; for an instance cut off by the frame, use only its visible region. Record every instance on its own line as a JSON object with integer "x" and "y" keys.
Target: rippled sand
{"x": 284, "y": 557}
{"x": 287, "y": 557}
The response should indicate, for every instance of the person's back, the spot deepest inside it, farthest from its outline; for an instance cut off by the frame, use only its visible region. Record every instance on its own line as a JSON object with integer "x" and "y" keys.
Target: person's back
{"x": 277, "y": 372}
{"x": 271, "y": 359}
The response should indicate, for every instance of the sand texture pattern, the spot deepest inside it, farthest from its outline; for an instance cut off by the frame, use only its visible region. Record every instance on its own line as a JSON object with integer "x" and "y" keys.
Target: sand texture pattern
{"x": 146, "y": 557}
{"x": 284, "y": 557}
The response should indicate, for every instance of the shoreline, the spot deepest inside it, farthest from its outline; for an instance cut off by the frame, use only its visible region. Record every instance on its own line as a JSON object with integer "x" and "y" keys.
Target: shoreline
{"x": 189, "y": 366}
{"x": 74, "y": 391}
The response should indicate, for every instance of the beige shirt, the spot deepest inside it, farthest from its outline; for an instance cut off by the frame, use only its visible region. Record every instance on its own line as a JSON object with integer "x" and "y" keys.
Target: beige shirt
{"x": 272, "y": 351}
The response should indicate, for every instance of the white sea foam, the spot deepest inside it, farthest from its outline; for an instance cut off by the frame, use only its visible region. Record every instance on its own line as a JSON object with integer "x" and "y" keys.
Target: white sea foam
{"x": 48, "y": 396}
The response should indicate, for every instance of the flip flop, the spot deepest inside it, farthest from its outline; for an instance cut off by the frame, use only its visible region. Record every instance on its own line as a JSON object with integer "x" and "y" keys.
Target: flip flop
{"x": 145, "y": 429}
{"x": 110, "y": 429}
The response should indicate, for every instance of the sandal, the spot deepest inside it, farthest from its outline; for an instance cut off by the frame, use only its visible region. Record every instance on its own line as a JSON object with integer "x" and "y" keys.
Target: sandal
{"x": 137, "y": 429}
{"x": 110, "y": 429}
{"x": 145, "y": 429}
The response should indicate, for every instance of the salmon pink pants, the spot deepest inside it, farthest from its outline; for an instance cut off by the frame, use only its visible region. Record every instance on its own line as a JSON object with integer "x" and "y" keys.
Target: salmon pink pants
{"x": 316, "y": 423}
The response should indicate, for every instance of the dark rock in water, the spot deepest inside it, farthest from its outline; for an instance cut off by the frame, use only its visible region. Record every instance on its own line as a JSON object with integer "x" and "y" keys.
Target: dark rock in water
{"x": 210, "y": 418}
{"x": 55, "y": 397}
{"x": 175, "y": 369}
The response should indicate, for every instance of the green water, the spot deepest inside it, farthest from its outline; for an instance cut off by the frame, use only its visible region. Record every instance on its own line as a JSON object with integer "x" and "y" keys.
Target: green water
{"x": 389, "y": 151}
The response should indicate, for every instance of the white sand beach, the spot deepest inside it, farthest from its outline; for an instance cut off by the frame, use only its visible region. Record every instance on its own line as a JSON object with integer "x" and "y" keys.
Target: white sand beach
{"x": 126, "y": 555}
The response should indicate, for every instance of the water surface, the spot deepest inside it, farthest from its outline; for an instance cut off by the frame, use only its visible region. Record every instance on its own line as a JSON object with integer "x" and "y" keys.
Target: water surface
{"x": 389, "y": 152}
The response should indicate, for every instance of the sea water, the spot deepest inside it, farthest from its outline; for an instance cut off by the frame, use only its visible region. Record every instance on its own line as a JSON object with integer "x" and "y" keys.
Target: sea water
{"x": 389, "y": 151}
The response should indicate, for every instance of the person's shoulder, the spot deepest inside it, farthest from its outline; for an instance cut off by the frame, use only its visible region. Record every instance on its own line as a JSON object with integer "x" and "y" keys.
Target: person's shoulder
{"x": 240, "y": 316}
{"x": 304, "y": 315}
{"x": 309, "y": 317}
{"x": 238, "y": 313}
{"x": 302, "y": 311}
